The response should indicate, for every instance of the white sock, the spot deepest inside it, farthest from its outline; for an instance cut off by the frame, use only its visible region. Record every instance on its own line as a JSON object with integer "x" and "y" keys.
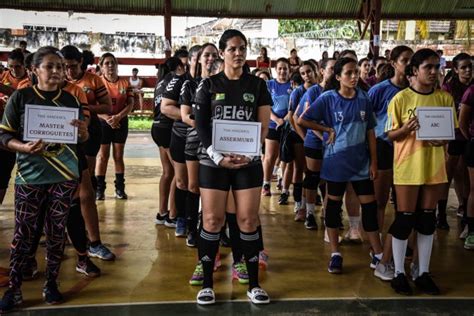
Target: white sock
{"x": 399, "y": 248}
{"x": 425, "y": 244}
{"x": 303, "y": 200}
{"x": 266, "y": 182}
{"x": 354, "y": 222}
{"x": 335, "y": 254}
{"x": 284, "y": 191}
{"x": 379, "y": 255}
{"x": 310, "y": 207}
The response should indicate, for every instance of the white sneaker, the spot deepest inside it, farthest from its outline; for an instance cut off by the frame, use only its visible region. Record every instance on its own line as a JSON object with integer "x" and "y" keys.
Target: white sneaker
{"x": 326, "y": 237}
{"x": 258, "y": 296}
{"x": 353, "y": 235}
{"x": 384, "y": 272}
{"x": 414, "y": 271}
{"x": 464, "y": 233}
{"x": 206, "y": 296}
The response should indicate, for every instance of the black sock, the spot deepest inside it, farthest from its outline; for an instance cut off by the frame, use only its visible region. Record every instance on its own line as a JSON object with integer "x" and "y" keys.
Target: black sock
{"x": 234, "y": 235}
{"x": 260, "y": 239}
{"x": 100, "y": 183}
{"x": 208, "y": 244}
{"x": 119, "y": 181}
{"x": 180, "y": 197}
{"x": 470, "y": 224}
{"x": 250, "y": 245}
{"x": 192, "y": 210}
{"x": 442, "y": 204}
{"x": 95, "y": 243}
{"x": 297, "y": 191}
{"x": 81, "y": 258}
{"x": 76, "y": 227}
{"x": 94, "y": 182}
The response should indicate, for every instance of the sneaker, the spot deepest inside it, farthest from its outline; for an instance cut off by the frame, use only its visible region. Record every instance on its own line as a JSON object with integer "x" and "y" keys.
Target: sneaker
{"x": 191, "y": 240}
{"x": 51, "y": 293}
{"x": 30, "y": 271}
{"x": 414, "y": 271}
{"x": 283, "y": 200}
{"x": 326, "y": 237}
{"x": 374, "y": 262}
{"x": 239, "y": 272}
{"x": 353, "y": 236}
{"x": 100, "y": 195}
{"x": 180, "y": 227}
{"x": 300, "y": 215}
{"x": 101, "y": 252}
{"x": 263, "y": 260}
{"x": 161, "y": 219}
{"x": 310, "y": 222}
{"x": 384, "y": 272}
{"x": 266, "y": 190}
{"x": 464, "y": 233}
{"x": 198, "y": 275}
{"x": 88, "y": 268}
{"x": 217, "y": 262}
{"x": 442, "y": 223}
{"x": 400, "y": 285}
{"x": 206, "y": 296}
{"x": 258, "y": 296}
{"x": 11, "y": 299}
{"x": 469, "y": 242}
{"x": 170, "y": 222}
{"x": 425, "y": 284}
{"x": 120, "y": 194}
{"x": 335, "y": 264}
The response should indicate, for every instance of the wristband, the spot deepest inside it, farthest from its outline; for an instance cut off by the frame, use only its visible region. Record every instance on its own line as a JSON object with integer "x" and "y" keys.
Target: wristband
{"x": 214, "y": 155}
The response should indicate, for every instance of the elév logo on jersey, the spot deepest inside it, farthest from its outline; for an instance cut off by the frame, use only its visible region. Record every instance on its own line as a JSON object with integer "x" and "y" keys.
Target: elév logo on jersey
{"x": 232, "y": 112}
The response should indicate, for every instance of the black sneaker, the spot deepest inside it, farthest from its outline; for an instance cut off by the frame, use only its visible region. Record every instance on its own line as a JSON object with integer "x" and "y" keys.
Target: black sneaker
{"x": 30, "y": 271}
{"x": 310, "y": 222}
{"x": 11, "y": 299}
{"x": 120, "y": 194}
{"x": 100, "y": 195}
{"x": 400, "y": 285}
{"x": 442, "y": 223}
{"x": 170, "y": 222}
{"x": 51, "y": 294}
{"x": 425, "y": 284}
{"x": 88, "y": 268}
{"x": 161, "y": 219}
{"x": 191, "y": 240}
{"x": 283, "y": 198}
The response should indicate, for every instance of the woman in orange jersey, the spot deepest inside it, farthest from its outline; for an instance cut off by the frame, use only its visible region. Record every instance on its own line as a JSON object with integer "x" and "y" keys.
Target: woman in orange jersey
{"x": 99, "y": 102}
{"x": 114, "y": 126}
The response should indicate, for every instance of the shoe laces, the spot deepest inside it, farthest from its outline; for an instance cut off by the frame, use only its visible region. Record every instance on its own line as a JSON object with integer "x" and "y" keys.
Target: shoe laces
{"x": 240, "y": 267}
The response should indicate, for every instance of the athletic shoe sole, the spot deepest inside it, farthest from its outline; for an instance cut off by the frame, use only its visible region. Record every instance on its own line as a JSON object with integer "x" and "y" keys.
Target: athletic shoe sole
{"x": 159, "y": 222}
{"x": 257, "y": 302}
{"x": 90, "y": 275}
{"x": 100, "y": 257}
{"x": 381, "y": 276}
{"x": 190, "y": 245}
{"x": 468, "y": 247}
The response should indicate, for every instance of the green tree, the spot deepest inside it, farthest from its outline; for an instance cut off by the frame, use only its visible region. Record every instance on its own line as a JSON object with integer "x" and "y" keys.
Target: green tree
{"x": 307, "y": 25}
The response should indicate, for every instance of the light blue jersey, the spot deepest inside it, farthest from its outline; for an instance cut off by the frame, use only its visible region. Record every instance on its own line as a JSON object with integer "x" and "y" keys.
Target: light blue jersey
{"x": 308, "y": 100}
{"x": 280, "y": 93}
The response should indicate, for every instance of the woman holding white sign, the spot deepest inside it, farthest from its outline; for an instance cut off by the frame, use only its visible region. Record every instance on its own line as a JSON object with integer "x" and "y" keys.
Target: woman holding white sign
{"x": 47, "y": 173}
{"x": 419, "y": 169}
{"x": 238, "y": 96}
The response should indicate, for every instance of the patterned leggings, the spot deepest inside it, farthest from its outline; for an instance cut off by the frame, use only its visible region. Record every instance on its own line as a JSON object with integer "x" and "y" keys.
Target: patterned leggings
{"x": 57, "y": 198}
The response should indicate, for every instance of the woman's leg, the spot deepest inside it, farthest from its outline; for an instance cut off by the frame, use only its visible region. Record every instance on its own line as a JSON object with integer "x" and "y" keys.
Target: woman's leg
{"x": 299, "y": 165}
{"x": 353, "y": 211}
{"x": 469, "y": 242}
{"x": 310, "y": 184}
{"x": 193, "y": 196}
{"x": 118, "y": 151}
{"x": 272, "y": 148}
{"x": 101, "y": 169}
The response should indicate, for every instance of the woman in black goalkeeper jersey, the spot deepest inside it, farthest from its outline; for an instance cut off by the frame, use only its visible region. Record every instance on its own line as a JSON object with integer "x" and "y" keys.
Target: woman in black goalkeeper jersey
{"x": 230, "y": 95}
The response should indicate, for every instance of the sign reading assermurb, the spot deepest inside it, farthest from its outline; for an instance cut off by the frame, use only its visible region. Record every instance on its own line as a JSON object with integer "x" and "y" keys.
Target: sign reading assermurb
{"x": 51, "y": 124}
{"x": 236, "y": 137}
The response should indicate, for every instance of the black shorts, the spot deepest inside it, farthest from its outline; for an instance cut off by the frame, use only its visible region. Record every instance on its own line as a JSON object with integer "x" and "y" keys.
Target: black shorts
{"x": 192, "y": 145}
{"x": 384, "y": 155}
{"x": 313, "y": 153}
{"x": 287, "y": 145}
{"x": 161, "y": 136}
{"x": 469, "y": 156}
{"x": 7, "y": 163}
{"x": 457, "y": 147}
{"x": 116, "y": 136}
{"x": 274, "y": 134}
{"x": 92, "y": 145}
{"x": 177, "y": 146}
{"x": 81, "y": 156}
{"x": 225, "y": 179}
{"x": 361, "y": 187}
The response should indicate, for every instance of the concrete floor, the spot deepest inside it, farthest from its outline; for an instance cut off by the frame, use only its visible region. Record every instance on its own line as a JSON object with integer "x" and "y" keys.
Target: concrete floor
{"x": 152, "y": 268}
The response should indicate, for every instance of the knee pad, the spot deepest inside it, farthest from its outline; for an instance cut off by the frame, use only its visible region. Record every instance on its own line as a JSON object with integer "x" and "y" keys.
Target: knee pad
{"x": 425, "y": 221}
{"x": 332, "y": 217}
{"x": 311, "y": 180}
{"x": 403, "y": 225}
{"x": 369, "y": 217}
{"x": 297, "y": 191}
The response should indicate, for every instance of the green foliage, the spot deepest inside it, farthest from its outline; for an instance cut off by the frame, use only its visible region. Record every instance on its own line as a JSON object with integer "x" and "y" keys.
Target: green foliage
{"x": 308, "y": 25}
{"x": 139, "y": 123}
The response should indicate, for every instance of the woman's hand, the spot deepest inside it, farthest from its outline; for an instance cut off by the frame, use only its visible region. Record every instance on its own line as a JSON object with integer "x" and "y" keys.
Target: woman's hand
{"x": 411, "y": 125}
{"x": 234, "y": 161}
{"x": 33, "y": 148}
{"x": 82, "y": 131}
{"x": 331, "y": 136}
{"x": 373, "y": 171}
{"x": 114, "y": 121}
{"x": 436, "y": 143}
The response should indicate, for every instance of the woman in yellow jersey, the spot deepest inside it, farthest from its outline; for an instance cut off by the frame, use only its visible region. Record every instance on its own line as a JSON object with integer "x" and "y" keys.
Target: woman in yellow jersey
{"x": 419, "y": 169}
{"x": 114, "y": 126}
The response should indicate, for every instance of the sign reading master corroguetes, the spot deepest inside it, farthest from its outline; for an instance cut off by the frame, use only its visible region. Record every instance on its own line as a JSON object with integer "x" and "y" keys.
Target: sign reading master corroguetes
{"x": 51, "y": 124}
{"x": 236, "y": 137}
{"x": 436, "y": 123}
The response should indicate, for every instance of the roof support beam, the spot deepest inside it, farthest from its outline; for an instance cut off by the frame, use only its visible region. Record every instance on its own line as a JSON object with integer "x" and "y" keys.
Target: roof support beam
{"x": 167, "y": 18}
{"x": 375, "y": 27}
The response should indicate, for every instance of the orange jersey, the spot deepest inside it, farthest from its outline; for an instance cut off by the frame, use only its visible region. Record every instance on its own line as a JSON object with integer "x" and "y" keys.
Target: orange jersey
{"x": 25, "y": 83}
{"x": 7, "y": 79}
{"x": 77, "y": 92}
{"x": 119, "y": 92}
{"x": 92, "y": 86}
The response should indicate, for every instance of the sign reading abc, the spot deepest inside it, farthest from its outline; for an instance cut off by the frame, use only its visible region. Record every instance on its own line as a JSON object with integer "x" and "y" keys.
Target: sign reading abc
{"x": 51, "y": 124}
{"x": 236, "y": 137}
{"x": 436, "y": 123}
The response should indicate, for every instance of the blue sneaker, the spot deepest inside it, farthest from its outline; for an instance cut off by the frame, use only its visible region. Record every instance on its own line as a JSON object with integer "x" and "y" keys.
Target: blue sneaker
{"x": 374, "y": 261}
{"x": 101, "y": 252}
{"x": 335, "y": 265}
{"x": 10, "y": 300}
{"x": 180, "y": 227}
